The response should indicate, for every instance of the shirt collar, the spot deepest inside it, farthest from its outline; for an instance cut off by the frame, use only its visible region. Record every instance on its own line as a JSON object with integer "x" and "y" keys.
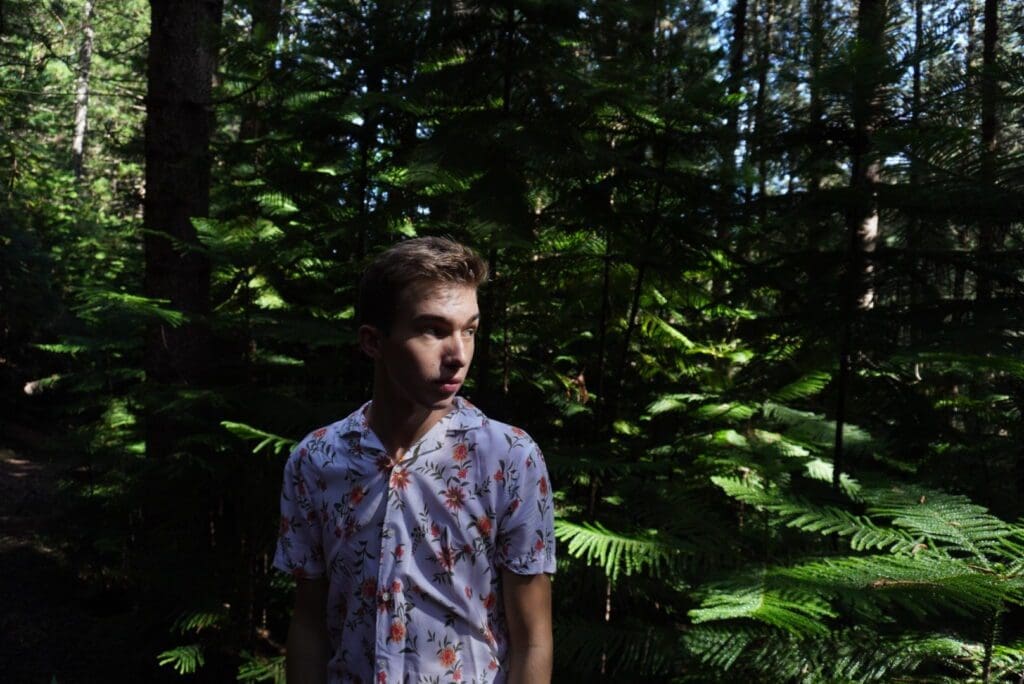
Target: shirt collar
{"x": 465, "y": 416}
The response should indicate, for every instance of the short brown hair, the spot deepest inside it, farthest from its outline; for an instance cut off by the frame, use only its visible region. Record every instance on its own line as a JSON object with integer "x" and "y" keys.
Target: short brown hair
{"x": 430, "y": 260}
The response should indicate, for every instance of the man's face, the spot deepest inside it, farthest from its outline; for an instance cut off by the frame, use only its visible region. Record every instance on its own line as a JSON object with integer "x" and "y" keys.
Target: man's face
{"x": 427, "y": 355}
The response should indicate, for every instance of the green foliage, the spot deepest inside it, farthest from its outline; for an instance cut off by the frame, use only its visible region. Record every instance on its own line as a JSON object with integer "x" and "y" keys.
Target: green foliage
{"x": 184, "y": 659}
{"x": 667, "y": 316}
{"x": 616, "y": 553}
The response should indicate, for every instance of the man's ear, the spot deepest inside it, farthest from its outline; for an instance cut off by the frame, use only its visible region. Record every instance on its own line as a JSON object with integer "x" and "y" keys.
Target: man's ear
{"x": 369, "y": 340}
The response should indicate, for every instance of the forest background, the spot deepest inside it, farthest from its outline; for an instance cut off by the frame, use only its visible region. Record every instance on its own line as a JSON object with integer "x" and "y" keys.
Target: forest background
{"x": 757, "y": 293}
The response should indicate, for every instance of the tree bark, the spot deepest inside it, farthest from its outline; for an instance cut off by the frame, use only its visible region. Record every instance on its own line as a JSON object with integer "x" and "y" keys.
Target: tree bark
{"x": 266, "y": 26}
{"x": 988, "y": 238}
{"x": 82, "y": 92}
{"x": 818, "y": 9}
{"x": 179, "y": 121}
{"x": 870, "y": 55}
{"x": 737, "y": 51}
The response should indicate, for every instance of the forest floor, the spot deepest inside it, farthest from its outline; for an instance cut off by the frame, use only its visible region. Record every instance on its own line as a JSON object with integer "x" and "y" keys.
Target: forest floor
{"x": 54, "y": 625}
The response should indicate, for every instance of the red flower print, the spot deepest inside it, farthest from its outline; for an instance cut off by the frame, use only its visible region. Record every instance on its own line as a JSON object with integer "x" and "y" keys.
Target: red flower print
{"x": 399, "y": 478}
{"x": 369, "y": 588}
{"x": 384, "y": 463}
{"x": 446, "y": 557}
{"x": 301, "y": 487}
{"x": 396, "y": 587}
{"x": 460, "y": 453}
{"x": 447, "y": 656}
{"x": 499, "y": 476}
{"x": 493, "y": 664}
{"x": 399, "y": 551}
{"x": 435, "y": 531}
{"x": 356, "y": 495}
{"x": 543, "y": 486}
{"x": 539, "y": 546}
{"x": 457, "y": 675}
{"x": 488, "y": 635}
{"x": 302, "y": 453}
{"x": 467, "y": 549}
{"x": 513, "y": 506}
{"x": 490, "y": 600}
{"x": 483, "y": 523}
{"x": 462, "y": 473}
{"x": 382, "y": 677}
{"x": 518, "y": 432}
{"x": 397, "y": 631}
{"x": 454, "y": 498}
{"x": 311, "y": 517}
{"x": 469, "y": 592}
{"x": 320, "y": 433}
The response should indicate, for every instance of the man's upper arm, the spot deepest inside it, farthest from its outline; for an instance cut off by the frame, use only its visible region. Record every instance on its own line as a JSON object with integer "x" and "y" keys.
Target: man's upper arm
{"x": 527, "y": 601}
{"x": 527, "y": 608}
{"x": 308, "y": 647}
{"x": 311, "y": 602}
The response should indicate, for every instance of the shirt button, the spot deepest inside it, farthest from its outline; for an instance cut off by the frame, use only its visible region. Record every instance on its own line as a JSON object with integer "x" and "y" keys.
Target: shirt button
{"x": 386, "y": 596}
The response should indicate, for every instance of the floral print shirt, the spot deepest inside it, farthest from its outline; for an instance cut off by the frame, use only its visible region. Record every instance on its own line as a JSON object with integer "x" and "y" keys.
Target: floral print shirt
{"x": 413, "y": 549}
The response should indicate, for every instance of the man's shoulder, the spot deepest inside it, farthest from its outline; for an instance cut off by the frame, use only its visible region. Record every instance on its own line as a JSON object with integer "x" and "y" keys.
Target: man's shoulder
{"x": 327, "y": 442}
{"x": 493, "y": 435}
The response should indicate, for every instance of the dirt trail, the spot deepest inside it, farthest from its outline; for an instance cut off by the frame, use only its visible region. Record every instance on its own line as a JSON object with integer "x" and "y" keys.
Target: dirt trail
{"x": 47, "y": 632}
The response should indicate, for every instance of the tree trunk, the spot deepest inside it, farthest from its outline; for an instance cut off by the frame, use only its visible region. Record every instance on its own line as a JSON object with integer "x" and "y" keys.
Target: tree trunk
{"x": 988, "y": 238}
{"x": 862, "y": 220}
{"x": 182, "y": 57}
{"x": 757, "y": 145}
{"x": 736, "y": 66}
{"x": 266, "y": 26}
{"x": 82, "y": 92}
{"x": 916, "y": 263}
{"x": 816, "y": 112}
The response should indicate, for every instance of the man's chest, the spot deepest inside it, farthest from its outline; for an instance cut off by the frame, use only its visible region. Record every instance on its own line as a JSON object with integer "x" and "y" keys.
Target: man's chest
{"x": 436, "y": 506}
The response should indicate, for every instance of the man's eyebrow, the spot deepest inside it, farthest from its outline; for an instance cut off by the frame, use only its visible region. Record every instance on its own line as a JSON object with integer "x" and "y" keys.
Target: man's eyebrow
{"x": 434, "y": 318}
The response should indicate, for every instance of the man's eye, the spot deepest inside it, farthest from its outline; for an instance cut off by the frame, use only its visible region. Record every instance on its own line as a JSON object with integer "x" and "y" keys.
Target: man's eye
{"x": 470, "y": 332}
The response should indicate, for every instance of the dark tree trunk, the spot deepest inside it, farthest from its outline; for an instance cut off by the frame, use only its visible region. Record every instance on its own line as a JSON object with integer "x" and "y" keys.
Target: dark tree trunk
{"x": 179, "y": 120}
{"x": 760, "y": 105}
{"x": 917, "y": 279}
{"x": 266, "y": 27}
{"x": 82, "y": 92}
{"x": 818, "y": 9}
{"x": 862, "y": 220}
{"x": 989, "y": 234}
{"x": 737, "y": 51}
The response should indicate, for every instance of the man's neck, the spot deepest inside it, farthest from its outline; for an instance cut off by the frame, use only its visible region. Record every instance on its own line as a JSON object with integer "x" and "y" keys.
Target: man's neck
{"x": 399, "y": 423}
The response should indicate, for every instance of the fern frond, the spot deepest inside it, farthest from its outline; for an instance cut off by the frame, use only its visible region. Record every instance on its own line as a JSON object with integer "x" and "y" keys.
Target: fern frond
{"x": 807, "y": 386}
{"x": 615, "y": 553}
{"x": 950, "y": 522}
{"x": 923, "y": 583}
{"x": 797, "y": 512}
{"x": 275, "y": 443}
{"x": 814, "y": 429}
{"x": 184, "y": 659}
{"x": 256, "y": 668}
{"x": 198, "y": 620}
{"x": 795, "y": 611}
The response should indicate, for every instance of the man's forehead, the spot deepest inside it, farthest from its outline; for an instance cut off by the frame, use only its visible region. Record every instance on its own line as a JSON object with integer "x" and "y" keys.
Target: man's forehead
{"x": 438, "y": 298}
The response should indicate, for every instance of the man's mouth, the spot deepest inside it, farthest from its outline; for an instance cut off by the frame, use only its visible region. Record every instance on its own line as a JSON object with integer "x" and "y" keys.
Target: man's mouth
{"x": 450, "y": 386}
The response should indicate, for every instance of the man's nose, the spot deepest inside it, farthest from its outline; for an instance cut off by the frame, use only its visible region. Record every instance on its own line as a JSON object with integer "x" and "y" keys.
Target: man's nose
{"x": 456, "y": 353}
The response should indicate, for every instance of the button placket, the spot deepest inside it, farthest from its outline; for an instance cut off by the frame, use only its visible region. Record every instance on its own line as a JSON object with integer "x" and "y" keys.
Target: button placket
{"x": 384, "y": 571}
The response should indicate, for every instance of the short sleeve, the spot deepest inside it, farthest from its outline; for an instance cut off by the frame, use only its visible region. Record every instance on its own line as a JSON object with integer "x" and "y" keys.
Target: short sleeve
{"x": 299, "y": 542}
{"x": 526, "y": 531}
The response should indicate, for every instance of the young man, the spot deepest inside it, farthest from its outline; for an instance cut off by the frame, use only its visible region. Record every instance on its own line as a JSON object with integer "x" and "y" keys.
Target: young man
{"x": 419, "y": 531}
